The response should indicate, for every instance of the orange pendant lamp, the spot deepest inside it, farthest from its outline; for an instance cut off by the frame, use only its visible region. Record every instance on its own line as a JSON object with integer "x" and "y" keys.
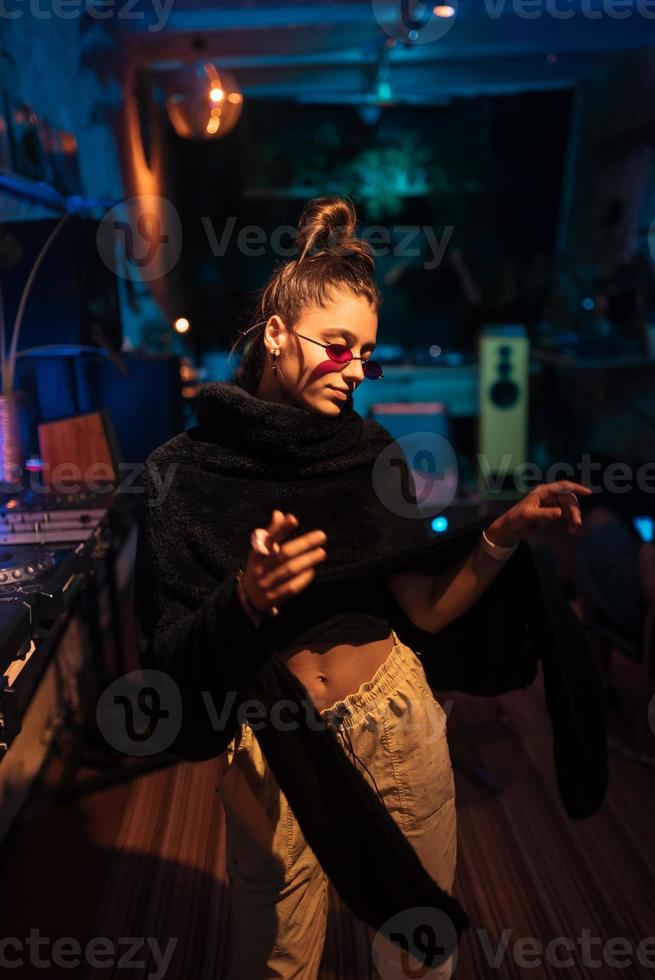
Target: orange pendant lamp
{"x": 203, "y": 102}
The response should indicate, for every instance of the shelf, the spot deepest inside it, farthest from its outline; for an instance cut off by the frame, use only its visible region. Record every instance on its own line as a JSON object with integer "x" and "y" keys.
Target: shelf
{"x": 31, "y": 192}
{"x": 17, "y": 194}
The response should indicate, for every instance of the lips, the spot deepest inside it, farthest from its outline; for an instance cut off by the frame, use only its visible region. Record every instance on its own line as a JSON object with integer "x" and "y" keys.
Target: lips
{"x": 341, "y": 392}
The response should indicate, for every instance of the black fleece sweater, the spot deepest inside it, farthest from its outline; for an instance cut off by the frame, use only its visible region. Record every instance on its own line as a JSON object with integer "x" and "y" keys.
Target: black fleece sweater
{"x": 204, "y": 492}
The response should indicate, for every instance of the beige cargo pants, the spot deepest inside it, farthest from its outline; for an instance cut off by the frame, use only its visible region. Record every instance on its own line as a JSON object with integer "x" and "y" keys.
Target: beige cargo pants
{"x": 278, "y": 889}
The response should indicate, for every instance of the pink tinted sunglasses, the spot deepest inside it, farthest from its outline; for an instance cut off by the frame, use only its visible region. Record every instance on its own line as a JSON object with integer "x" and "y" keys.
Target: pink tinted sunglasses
{"x": 341, "y": 354}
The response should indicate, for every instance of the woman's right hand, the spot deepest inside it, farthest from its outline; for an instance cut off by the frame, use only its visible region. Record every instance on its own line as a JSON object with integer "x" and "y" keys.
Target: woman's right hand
{"x": 271, "y": 579}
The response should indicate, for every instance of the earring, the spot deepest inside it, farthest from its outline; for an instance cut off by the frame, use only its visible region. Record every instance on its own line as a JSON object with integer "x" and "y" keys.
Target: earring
{"x": 275, "y": 357}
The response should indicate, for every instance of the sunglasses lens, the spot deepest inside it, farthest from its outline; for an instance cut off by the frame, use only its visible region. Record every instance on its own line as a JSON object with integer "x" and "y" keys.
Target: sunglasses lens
{"x": 372, "y": 370}
{"x": 339, "y": 353}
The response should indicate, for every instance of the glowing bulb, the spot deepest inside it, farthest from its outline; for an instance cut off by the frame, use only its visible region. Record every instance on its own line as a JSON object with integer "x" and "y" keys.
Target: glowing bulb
{"x": 192, "y": 94}
{"x": 443, "y": 10}
{"x": 213, "y": 124}
{"x": 181, "y": 325}
{"x": 440, "y": 524}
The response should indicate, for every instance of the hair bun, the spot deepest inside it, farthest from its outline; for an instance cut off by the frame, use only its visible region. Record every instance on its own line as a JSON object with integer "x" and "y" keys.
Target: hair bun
{"x": 328, "y": 226}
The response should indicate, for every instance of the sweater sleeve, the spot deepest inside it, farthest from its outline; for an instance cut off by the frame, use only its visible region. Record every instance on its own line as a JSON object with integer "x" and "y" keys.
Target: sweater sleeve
{"x": 193, "y": 629}
{"x": 496, "y": 645}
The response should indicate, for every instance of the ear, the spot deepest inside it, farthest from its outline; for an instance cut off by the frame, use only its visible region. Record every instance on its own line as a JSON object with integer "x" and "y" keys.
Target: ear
{"x": 275, "y": 332}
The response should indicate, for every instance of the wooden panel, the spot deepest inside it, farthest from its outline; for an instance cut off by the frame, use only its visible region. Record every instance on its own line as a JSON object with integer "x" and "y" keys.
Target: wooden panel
{"x": 77, "y": 450}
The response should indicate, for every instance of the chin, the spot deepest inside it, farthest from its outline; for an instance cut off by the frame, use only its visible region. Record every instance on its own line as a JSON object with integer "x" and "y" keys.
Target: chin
{"x": 329, "y": 407}
{"x": 325, "y": 405}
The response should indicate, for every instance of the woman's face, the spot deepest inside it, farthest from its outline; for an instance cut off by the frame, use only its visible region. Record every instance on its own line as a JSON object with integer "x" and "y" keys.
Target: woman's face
{"x": 305, "y": 375}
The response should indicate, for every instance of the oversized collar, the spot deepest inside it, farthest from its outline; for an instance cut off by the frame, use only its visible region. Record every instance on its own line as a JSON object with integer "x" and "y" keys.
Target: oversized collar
{"x": 263, "y": 436}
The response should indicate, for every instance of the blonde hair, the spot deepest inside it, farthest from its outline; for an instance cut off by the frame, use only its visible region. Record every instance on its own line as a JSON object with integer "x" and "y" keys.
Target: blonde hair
{"x": 330, "y": 258}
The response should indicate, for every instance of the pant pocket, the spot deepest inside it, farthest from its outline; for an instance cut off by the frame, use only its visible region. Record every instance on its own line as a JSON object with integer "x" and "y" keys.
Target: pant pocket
{"x": 415, "y": 733}
{"x": 259, "y": 821}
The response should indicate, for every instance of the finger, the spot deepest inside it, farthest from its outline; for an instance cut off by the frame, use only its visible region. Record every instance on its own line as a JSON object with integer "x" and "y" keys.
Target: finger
{"x": 276, "y": 530}
{"x": 568, "y": 501}
{"x": 293, "y": 567}
{"x": 550, "y": 513}
{"x": 287, "y": 523}
{"x": 294, "y": 586}
{"x": 296, "y": 546}
{"x": 572, "y": 507}
{"x": 567, "y": 485}
{"x": 260, "y": 541}
{"x": 561, "y": 498}
{"x": 263, "y": 554}
{"x": 281, "y": 525}
{"x": 565, "y": 499}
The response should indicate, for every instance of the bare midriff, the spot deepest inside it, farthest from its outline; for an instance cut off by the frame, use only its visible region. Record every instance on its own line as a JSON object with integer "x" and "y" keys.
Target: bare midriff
{"x": 339, "y": 658}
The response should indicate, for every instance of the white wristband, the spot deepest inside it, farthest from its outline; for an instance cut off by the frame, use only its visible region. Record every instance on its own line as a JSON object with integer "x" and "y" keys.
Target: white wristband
{"x": 495, "y": 550}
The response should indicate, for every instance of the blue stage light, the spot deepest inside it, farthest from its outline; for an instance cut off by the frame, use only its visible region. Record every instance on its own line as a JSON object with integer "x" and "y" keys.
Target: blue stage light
{"x": 440, "y": 524}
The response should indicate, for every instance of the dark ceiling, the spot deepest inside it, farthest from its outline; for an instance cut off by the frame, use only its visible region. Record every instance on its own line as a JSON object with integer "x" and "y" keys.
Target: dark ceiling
{"x": 341, "y": 51}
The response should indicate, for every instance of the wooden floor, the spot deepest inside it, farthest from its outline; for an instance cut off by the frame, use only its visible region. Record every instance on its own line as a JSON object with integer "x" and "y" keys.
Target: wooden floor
{"x": 129, "y": 861}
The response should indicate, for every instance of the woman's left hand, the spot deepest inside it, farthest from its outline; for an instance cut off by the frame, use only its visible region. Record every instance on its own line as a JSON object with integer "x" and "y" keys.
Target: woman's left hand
{"x": 547, "y": 502}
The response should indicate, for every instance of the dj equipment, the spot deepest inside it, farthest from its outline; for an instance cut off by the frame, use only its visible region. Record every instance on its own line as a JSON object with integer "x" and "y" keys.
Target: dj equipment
{"x": 65, "y": 560}
{"x": 46, "y": 549}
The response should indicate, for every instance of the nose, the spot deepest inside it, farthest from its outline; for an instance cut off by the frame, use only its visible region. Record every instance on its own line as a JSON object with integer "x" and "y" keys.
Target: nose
{"x": 353, "y": 373}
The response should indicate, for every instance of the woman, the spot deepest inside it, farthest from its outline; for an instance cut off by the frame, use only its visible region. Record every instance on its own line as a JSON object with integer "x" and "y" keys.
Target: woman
{"x": 352, "y": 664}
